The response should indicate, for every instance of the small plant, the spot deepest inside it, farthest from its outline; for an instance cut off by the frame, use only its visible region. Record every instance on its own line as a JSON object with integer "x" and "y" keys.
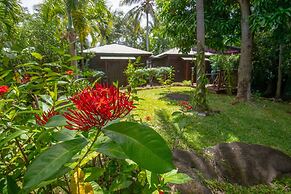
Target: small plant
{"x": 226, "y": 63}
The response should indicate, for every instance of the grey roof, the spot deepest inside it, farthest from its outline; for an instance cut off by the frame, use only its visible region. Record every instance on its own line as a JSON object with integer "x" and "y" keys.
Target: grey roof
{"x": 175, "y": 51}
{"x": 117, "y": 49}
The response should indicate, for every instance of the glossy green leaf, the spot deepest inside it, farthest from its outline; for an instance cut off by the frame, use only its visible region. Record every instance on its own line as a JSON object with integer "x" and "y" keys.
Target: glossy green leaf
{"x": 51, "y": 161}
{"x": 64, "y": 135}
{"x": 175, "y": 177}
{"x": 110, "y": 148}
{"x": 57, "y": 121}
{"x": 143, "y": 145}
{"x": 12, "y": 186}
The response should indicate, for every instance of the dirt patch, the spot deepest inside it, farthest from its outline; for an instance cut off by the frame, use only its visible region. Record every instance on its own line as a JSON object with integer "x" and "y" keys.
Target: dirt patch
{"x": 178, "y": 96}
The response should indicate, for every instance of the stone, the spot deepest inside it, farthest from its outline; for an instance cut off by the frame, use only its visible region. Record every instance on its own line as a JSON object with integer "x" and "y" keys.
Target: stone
{"x": 240, "y": 163}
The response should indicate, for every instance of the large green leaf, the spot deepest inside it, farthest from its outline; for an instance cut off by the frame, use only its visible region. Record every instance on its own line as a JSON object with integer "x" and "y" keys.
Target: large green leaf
{"x": 110, "y": 148}
{"x": 51, "y": 161}
{"x": 12, "y": 186}
{"x": 57, "y": 121}
{"x": 142, "y": 144}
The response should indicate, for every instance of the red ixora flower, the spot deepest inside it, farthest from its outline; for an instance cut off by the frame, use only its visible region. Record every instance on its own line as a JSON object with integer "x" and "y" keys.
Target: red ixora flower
{"x": 3, "y": 90}
{"x": 45, "y": 117}
{"x": 70, "y": 72}
{"x": 97, "y": 106}
{"x": 185, "y": 105}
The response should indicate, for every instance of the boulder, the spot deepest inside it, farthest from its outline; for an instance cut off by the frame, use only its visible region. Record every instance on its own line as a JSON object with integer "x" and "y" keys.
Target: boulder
{"x": 240, "y": 163}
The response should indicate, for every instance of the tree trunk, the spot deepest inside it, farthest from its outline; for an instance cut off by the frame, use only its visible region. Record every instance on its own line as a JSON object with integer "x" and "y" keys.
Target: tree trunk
{"x": 279, "y": 81}
{"x": 245, "y": 65}
{"x": 147, "y": 31}
{"x": 71, "y": 37}
{"x": 200, "y": 89}
{"x": 82, "y": 55}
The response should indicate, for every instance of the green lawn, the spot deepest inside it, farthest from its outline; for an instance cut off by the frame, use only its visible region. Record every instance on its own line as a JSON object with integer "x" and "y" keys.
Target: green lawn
{"x": 259, "y": 121}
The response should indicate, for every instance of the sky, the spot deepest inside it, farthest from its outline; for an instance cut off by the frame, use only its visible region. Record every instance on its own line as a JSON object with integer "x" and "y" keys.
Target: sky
{"x": 111, "y": 3}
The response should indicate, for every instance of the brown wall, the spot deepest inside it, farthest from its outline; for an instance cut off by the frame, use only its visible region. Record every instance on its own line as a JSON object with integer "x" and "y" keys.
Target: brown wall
{"x": 113, "y": 69}
{"x": 182, "y": 67}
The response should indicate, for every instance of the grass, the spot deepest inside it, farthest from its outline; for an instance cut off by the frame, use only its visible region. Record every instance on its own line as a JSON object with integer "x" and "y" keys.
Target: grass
{"x": 259, "y": 121}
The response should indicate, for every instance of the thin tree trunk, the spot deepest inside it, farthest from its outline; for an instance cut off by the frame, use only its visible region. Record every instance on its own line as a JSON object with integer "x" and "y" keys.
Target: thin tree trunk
{"x": 279, "y": 81}
{"x": 72, "y": 38}
{"x": 82, "y": 55}
{"x": 147, "y": 31}
{"x": 201, "y": 90}
{"x": 245, "y": 65}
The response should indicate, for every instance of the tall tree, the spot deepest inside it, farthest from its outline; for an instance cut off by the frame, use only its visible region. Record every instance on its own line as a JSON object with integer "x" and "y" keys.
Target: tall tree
{"x": 143, "y": 7}
{"x": 10, "y": 12}
{"x": 201, "y": 90}
{"x": 127, "y": 31}
{"x": 82, "y": 18}
{"x": 245, "y": 66}
{"x": 274, "y": 19}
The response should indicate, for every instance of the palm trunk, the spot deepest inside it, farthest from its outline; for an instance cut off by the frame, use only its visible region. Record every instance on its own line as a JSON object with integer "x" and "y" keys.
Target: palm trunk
{"x": 72, "y": 38}
{"x": 245, "y": 65}
{"x": 147, "y": 31}
{"x": 201, "y": 90}
{"x": 279, "y": 81}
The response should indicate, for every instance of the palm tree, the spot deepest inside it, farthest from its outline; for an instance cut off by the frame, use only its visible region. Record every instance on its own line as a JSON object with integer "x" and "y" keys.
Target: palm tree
{"x": 143, "y": 7}
{"x": 201, "y": 90}
{"x": 83, "y": 18}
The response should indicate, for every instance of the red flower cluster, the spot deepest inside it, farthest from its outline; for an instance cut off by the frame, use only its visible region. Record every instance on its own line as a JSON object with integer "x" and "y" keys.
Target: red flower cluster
{"x": 185, "y": 105}
{"x": 69, "y": 72}
{"x": 3, "y": 90}
{"x": 97, "y": 106}
{"x": 45, "y": 117}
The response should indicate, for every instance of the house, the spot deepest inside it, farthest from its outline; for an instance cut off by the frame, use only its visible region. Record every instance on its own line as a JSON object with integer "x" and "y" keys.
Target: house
{"x": 113, "y": 59}
{"x": 183, "y": 63}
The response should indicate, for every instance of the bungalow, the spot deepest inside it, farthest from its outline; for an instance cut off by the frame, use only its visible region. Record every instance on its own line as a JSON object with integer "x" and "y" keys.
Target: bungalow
{"x": 113, "y": 59}
{"x": 182, "y": 63}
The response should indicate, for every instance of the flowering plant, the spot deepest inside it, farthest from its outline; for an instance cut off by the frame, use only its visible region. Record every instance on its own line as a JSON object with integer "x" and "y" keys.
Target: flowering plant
{"x": 185, "y": 105}
{"x": 69, "y": 72}
{"x": 3, "y": 90}
{"x": 96, "y": 106}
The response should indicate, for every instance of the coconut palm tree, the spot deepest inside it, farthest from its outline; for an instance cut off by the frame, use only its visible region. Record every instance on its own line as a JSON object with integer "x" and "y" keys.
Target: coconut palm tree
{"x": 82, "y": 18}
{"x": 143, "y": 7}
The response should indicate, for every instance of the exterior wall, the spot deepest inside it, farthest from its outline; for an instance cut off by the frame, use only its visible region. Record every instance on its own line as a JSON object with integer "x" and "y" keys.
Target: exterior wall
{"x": 182, "y": 68}
{"x": 113, "y": 69}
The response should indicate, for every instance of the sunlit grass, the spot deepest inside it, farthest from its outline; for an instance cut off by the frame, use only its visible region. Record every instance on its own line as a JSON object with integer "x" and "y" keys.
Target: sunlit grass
{"x": 259, "y": 121}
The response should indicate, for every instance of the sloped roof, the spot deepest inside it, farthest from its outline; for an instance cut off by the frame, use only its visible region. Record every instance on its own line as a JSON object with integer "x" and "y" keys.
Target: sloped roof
{"x": 175, "y": 51}
{"x": 116, "y": 49}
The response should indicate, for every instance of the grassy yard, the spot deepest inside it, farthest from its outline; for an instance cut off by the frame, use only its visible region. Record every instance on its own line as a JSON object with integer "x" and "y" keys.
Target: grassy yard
{"x": 259, "y": 121}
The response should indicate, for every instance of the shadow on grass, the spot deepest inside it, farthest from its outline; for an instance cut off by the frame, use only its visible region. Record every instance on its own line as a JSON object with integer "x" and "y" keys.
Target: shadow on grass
{"x": 255, "y": 122}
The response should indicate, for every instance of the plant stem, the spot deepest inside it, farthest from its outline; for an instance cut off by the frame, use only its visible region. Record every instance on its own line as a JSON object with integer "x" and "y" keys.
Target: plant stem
{"x": 22, "y": 151}
{"x": 94, "y": 140}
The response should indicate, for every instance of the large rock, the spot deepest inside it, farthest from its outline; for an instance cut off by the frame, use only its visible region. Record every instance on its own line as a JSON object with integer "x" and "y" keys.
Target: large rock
{"x": 241, "y": 163}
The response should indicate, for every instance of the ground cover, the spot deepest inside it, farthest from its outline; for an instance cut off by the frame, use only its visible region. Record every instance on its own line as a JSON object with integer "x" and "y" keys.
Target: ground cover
{"x": 260, "y": 121}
